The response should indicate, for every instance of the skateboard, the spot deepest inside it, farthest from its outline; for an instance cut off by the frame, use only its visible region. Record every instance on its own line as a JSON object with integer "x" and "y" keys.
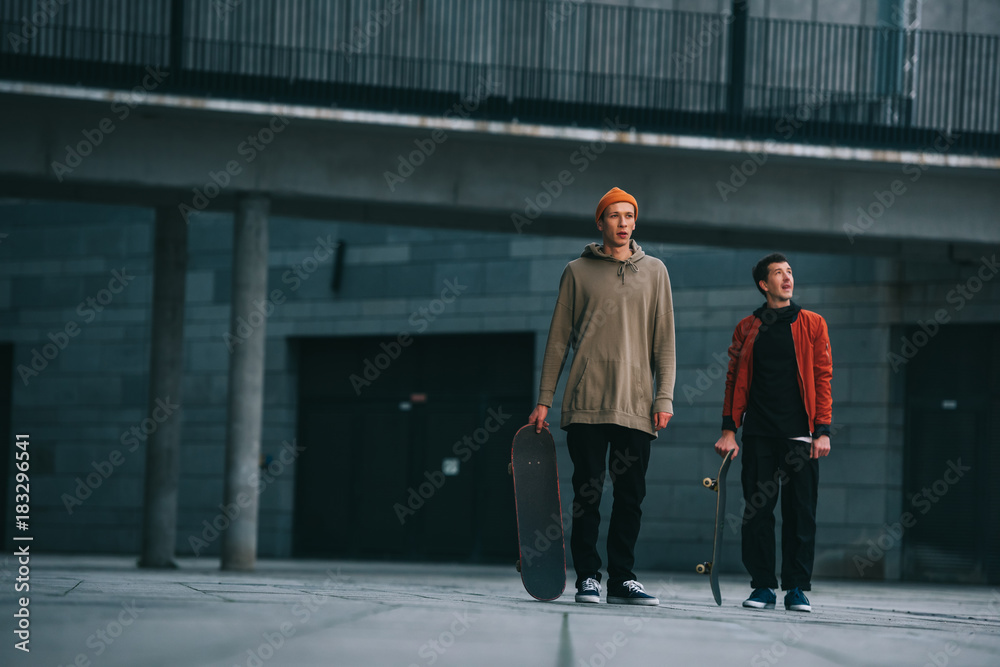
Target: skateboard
{"x": 542, "y": 549}
{"x": 711, "y": 568}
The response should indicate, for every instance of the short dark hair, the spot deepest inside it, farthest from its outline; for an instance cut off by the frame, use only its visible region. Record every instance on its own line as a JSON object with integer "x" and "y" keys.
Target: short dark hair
{"x": 760, "y": 268}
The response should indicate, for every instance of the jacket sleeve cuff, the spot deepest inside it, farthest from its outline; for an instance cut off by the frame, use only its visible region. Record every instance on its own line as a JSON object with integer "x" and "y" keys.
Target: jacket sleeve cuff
{"x": 663, "y": 405}
{"x": 728, "y": 424}
{"x": 821, "y": 429}
{"x": 545, "y": 398}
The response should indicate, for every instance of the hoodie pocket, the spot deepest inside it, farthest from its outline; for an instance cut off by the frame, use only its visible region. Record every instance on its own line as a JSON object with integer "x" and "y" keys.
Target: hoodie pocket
{"x": 574, "y": 386}
{"x": 609, "y": 385}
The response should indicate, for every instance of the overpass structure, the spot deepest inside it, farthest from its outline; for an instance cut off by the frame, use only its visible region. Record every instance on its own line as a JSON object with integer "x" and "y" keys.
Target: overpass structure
{"x": 506, "y": 115}
{"x": 196, "y": 154}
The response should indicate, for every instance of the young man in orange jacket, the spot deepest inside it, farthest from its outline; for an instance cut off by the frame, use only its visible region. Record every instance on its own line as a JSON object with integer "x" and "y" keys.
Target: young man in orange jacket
{"x": 778, "y": 390}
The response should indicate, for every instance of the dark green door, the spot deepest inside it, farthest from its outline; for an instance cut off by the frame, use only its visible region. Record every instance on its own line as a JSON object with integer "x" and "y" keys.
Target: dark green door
{"x": 952, "y": 454}
{"x": 409, "y": 461}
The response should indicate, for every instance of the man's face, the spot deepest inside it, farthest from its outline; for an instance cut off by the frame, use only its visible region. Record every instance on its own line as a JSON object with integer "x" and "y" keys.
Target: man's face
{"x": 779, "y": 283}
{"x": 617, "y": 224}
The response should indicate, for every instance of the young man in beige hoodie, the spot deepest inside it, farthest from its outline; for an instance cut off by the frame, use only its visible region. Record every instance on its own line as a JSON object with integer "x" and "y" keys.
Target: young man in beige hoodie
{"x": 615, "y": 311}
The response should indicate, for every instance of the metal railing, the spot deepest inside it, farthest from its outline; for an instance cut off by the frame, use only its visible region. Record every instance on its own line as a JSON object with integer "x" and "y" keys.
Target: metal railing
{"x": 545, "y": 61}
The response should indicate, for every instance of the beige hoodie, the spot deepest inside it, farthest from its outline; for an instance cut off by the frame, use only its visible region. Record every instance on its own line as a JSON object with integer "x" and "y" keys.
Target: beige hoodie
{"x": 619, "y": 318}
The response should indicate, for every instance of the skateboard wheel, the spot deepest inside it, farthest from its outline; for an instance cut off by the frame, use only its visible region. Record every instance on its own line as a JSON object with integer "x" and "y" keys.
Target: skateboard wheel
{"x": 517, "y": 565}
{"x": 510, "y": 468}
{"x": 703, "y": 568}
{"x": 710, "y": 483}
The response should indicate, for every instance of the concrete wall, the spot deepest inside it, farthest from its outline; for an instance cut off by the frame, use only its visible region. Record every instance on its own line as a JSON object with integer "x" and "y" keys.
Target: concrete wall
{"x": 80, "y": 408}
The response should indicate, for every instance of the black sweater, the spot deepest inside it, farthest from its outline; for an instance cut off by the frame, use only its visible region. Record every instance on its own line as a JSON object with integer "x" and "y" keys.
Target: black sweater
{"x": 774, "y": 405}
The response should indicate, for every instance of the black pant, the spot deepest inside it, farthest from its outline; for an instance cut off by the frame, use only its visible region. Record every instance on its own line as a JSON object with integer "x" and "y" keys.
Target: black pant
{"x": 771, "y": 465}
{"x": 588, "y": 448}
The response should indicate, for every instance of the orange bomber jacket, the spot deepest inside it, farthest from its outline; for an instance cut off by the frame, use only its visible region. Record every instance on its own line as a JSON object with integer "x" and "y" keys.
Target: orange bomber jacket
{"x": 815, "y": 362}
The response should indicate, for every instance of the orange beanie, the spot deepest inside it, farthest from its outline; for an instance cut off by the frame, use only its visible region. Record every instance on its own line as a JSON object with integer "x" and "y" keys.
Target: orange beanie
{"x": 614, "y": 196}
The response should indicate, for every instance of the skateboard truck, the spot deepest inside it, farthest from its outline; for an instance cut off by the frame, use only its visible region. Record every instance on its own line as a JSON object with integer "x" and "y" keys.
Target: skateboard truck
{"x": 710, "y": 483}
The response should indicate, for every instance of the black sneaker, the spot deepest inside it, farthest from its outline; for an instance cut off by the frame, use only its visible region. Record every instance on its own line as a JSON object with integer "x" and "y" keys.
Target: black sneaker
{"x": 630, "y": 592}
{"x": 589, "y": 590}
{"x": 761, "y": 598}
{"x": 796, "y": 600}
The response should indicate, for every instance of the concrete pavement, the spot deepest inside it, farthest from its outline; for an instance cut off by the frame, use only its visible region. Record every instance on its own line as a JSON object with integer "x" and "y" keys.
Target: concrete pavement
{"x": 87, "y": 610}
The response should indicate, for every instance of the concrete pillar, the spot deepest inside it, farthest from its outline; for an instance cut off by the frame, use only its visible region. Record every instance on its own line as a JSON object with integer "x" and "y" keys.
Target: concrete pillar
{"x": 890, "y": 45}
{"x": 246, "y": 382}
{"x": 176, "y": 38}
{"x": 166, "y": 365}
{"x": 737, "y": 60}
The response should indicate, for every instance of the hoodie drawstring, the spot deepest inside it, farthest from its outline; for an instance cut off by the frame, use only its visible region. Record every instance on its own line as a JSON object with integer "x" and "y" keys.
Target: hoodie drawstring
{"x": 621, "y": 268}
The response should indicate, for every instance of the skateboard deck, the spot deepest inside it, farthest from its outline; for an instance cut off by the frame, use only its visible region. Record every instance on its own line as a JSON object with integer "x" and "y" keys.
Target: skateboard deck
{"x": 711, "y": 568}
{"x": 539, "y": 513}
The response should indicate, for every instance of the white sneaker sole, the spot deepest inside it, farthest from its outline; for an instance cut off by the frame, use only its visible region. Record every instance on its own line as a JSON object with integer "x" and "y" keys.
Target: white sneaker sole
{"x": 650, "y": 602}
{"x": 758, "y": 605}
{"x": 799, "y": 607}
{"x": 588, "y": 599}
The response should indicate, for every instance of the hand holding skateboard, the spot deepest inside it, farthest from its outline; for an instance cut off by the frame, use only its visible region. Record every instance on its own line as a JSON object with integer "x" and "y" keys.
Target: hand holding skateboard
{"x": 727, "y": 443}
{"x": 537, "y": 417}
